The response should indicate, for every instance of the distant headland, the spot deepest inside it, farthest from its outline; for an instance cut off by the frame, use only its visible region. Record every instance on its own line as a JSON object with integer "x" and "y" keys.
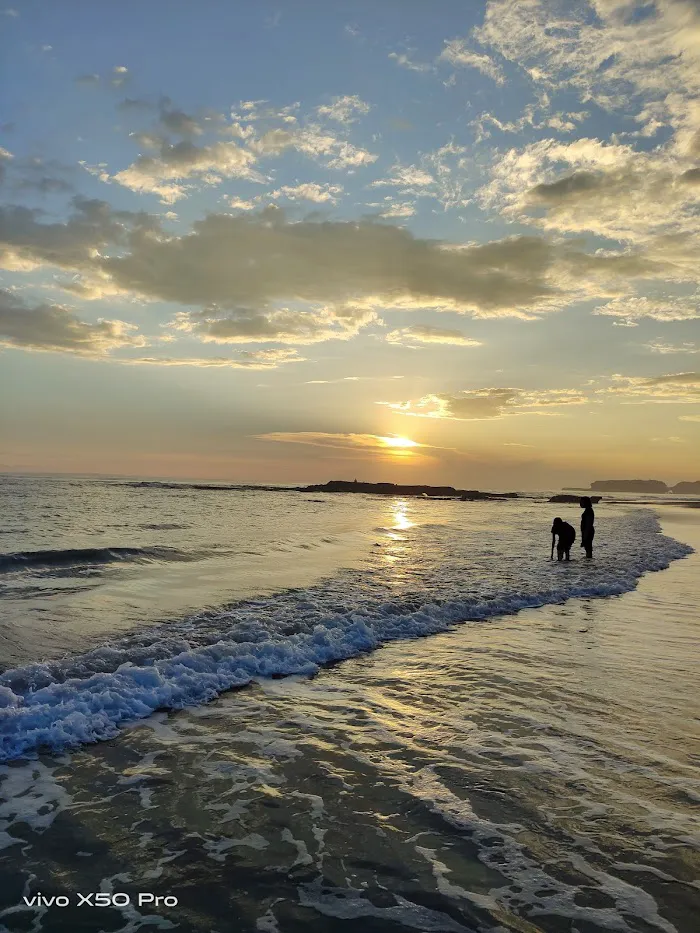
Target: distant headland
{"x": 393, "y": 489}
{"x": 645, "y": 485}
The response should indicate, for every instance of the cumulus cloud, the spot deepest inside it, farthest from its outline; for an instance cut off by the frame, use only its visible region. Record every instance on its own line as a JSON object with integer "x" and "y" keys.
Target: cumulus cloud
{"x": 261, "y": 275}
{"x": 171, "y": 169}
{"x": 458, "y": 54}
{"x": 164, "y": 173}
{"x": 346, "y": 109}
{"x": 480, "y": 404}
{"x": 254, "y": 261}
{"x": 75, "y": 244}
{"x": 54, "y": 328}
{"x": 588, "y": 186}
{"x": 421, "y": 334}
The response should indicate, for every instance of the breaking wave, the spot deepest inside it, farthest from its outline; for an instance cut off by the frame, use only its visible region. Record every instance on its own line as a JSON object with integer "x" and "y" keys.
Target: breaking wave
{"x": 442, "y": 579}
{"x": 86, "y": 557}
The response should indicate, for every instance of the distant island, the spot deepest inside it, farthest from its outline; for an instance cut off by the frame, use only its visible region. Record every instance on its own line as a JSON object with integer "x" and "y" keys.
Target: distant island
{"x": 644, "y": 485}
{"x": 629, "y": 485}
{"x": 392, "y": 489}
{"x": 684, "y": 488}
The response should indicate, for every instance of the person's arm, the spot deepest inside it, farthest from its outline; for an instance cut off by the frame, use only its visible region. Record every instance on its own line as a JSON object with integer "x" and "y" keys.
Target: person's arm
{"x": 551, "y": 556}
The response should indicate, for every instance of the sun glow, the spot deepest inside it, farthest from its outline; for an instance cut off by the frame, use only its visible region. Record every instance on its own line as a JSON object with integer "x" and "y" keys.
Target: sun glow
{"x": 400, "y": 442}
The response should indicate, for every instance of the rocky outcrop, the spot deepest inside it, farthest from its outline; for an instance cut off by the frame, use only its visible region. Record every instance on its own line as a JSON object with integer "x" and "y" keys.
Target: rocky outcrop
{"x": 567, "y": 497}
{"x": 393, "y": 489}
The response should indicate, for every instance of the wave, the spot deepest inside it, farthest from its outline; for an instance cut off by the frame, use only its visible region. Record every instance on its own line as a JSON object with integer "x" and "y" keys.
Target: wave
{"x": 87, "y": 557}
{"x": 61, "y": 704}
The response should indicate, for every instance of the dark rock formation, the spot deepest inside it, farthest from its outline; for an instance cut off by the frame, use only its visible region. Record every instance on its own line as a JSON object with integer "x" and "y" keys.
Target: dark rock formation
{"x": 392, "y": 489}
{"x": 629, "y": 485}
{"x": 567, "y": 497}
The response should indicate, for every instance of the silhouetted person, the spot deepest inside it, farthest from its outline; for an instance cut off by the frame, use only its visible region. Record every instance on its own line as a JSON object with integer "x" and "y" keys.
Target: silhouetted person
{"x": 587, "y": 529}
{"x": 566, "y": 535}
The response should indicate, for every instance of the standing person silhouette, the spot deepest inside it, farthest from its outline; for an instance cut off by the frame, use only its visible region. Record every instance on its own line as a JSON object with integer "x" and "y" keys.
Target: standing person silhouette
{"x": 587, "y": 529}
{"x": 566, "y": 534}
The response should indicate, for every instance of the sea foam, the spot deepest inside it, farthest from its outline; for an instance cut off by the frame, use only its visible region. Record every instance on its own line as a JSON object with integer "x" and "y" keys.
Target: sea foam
{"x": 421, "y": 581}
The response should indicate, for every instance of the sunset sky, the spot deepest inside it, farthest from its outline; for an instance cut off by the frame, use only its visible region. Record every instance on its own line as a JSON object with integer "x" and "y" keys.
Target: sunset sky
{"x": 389, "y": 239}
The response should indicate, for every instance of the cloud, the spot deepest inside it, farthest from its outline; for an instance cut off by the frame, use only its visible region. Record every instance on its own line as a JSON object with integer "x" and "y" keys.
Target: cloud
{"x": 441, "y": 175}
{"x": 307, "y": 326}
{"x": 52, "y": 328}
{"x": 246, "y": 359}
{"x": 178, "y": 122}
{"x": 481, "y": 404}
{"x": 563, "y": 121}
{"x": 163, "y": 174}
{"x": 672, "y": 387}
{"x": 588, "y": 186}
{"x": 133, "y": 105}
{"x": 659, "y": 309}
{"x": 346, "y": 109}
{"x": 689, "y": 417}
{"x": 456, "y": 53}
{"x": 75, "y": 244}
{"x": 424, "y": 334}
{"x": 357, "y": 443}
{"x": 248, "y": 263}
{"x": 404, "y": 61}
{"x": 309, "y": 191}
{"x": 243, "y": 204}
{"x": 261, "y": 275}
{"x": 118, "y": 76}
{"x": 399, "y": 209}
{"x": 605, "y": 50}
{"x": 409, "y": 179}
{"x": 659, "y": 346}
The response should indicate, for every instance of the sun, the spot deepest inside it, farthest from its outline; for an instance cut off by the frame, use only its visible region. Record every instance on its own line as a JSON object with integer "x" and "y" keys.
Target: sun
{"x": 401, "y": 442}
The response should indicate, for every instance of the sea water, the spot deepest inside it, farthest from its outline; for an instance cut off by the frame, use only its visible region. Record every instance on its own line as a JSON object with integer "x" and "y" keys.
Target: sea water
{"x": 83, "y": 563}
{"x": 518, "y": 755}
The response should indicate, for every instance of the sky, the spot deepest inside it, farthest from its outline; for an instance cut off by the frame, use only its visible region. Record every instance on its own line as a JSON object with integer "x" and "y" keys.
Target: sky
{"x": 411, "y": 241}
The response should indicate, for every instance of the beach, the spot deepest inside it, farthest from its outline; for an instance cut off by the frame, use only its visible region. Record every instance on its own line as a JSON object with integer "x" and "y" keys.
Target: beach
{"x": 531, "y": 769}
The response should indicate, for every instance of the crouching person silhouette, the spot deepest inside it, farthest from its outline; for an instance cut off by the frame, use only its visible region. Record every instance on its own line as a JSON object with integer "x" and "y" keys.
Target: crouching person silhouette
{"x": 566, "y": 536}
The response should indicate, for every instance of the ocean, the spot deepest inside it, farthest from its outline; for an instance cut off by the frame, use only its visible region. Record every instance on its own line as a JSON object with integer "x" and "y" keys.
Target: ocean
{"x": 287, "y": 710}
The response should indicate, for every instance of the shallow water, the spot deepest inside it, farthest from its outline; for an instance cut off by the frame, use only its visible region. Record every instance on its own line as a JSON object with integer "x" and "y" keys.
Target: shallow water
{"x": 419, "y": 568}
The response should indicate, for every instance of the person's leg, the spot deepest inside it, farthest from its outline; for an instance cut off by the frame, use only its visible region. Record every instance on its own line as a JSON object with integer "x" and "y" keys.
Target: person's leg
{"x": 560, "y": 552}
{"x": 588, "y": 544}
